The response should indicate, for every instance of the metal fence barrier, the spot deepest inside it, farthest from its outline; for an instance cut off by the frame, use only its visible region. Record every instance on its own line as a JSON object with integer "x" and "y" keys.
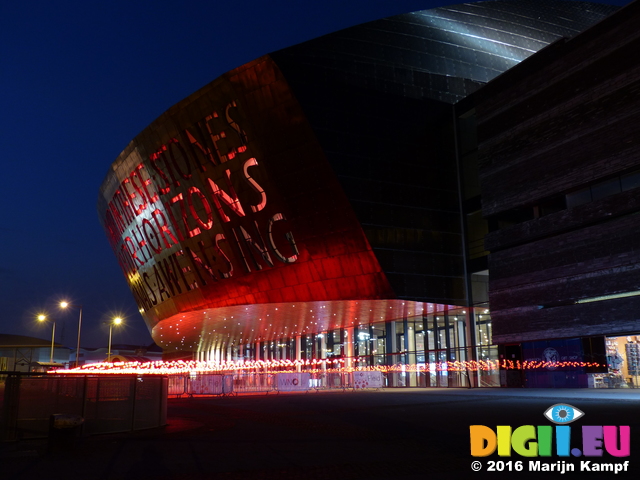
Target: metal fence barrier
{"x": 254, "y": 383}
{"x": 177, "y": 385}
{"x": 205, "y": 384}
{"x": 217, "y": 384}
{"x": 108, "y": 404}
{"x": 333, "y": 380}
{"x": 233, "y": 384}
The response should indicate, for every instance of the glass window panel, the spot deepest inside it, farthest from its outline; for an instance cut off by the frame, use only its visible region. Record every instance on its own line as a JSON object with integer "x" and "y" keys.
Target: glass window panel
{"x": 578, "y": 198}
{"x": 630, "y": 181}
{"x": 483, "y": 330}
{"x": 605, "y": 189}
{"x": 362, "y": 339}
{"x": 452, "y": 342}
{"x": 431, "y": 340}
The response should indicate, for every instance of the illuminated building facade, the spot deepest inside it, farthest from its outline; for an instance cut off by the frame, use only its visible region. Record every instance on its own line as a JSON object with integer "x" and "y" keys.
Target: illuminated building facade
{"x": 311, "y": 203}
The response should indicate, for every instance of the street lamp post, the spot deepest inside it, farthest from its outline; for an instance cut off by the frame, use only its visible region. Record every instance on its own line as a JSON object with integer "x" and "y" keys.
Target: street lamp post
{"x": 43, "y": 318}
{"x": 115, "y": 321}
{"x": 65, "y": 305}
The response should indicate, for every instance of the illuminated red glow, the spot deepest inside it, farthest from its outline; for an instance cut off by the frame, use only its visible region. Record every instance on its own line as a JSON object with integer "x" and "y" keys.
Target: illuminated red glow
{"x": 221, "y": 199}
{"x": 202, "y": 330}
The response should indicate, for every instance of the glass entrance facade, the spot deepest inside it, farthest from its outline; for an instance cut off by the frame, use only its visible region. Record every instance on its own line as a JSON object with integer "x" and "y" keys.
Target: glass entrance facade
{"x": 422, "y": 351}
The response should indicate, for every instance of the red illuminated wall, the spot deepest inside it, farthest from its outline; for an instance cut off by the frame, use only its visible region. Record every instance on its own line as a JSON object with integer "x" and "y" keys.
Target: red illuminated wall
{"x": 227, "y": 199}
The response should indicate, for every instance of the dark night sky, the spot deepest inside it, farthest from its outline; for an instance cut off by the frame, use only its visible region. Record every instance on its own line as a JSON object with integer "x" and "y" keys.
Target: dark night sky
{"x": 79, "y": 79}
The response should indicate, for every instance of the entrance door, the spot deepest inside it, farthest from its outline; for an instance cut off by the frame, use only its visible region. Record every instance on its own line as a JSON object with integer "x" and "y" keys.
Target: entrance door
{"x": 512, "y": 377}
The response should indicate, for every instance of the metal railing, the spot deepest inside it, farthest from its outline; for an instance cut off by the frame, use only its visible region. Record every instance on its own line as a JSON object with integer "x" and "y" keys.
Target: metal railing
{"x": 233, "y": 384}
{"x": 217, "y": 384}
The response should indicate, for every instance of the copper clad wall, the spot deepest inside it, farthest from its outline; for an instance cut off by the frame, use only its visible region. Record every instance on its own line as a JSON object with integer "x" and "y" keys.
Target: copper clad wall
{"x": 180, "y": 253}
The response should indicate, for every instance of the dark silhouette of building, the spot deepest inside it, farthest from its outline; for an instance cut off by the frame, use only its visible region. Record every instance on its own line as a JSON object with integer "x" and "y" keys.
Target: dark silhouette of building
{"x": 559, "y": 173}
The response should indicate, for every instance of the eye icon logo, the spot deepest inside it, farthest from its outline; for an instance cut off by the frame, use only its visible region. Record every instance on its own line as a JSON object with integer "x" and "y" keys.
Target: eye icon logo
{"x": 562, "y": 413}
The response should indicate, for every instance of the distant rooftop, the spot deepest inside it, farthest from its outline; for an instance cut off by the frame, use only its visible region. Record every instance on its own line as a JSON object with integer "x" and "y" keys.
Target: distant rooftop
{"x": 12, "y": 341}
{"x": 121, "y": 346}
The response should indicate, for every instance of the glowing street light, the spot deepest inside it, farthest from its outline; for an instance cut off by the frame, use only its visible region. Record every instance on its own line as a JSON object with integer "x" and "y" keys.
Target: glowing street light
{"x": 64, "y": 305}
{"x": 115, "y": 321}
{"x": 43, "y": 318}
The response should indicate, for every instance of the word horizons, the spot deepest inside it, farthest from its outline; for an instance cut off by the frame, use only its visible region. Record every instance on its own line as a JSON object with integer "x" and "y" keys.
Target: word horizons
{"x": 193, "y": 211}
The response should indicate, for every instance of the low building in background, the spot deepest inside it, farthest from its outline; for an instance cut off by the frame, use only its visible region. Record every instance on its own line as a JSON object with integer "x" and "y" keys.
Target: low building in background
{"x": 19, "y": 353}
{"x": 119, "y": 352}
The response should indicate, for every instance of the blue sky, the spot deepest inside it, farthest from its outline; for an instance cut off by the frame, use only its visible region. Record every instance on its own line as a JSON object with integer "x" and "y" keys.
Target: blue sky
{"x": 79, "y": 80}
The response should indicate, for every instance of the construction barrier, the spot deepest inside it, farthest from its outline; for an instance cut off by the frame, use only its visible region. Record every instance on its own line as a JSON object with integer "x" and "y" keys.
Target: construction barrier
{"x": 105, "y": 403}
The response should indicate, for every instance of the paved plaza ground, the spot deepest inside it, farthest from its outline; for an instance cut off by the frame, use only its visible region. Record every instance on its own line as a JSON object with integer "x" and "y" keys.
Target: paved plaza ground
{"x": 387, "y": 434}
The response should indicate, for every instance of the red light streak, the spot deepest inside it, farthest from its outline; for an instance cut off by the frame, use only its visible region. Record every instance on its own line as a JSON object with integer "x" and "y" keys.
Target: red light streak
{"x": 181, "y": 367}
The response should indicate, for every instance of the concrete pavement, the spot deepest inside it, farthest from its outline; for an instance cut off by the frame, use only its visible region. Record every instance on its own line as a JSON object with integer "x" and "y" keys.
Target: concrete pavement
{"x": 387, "y": 434}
